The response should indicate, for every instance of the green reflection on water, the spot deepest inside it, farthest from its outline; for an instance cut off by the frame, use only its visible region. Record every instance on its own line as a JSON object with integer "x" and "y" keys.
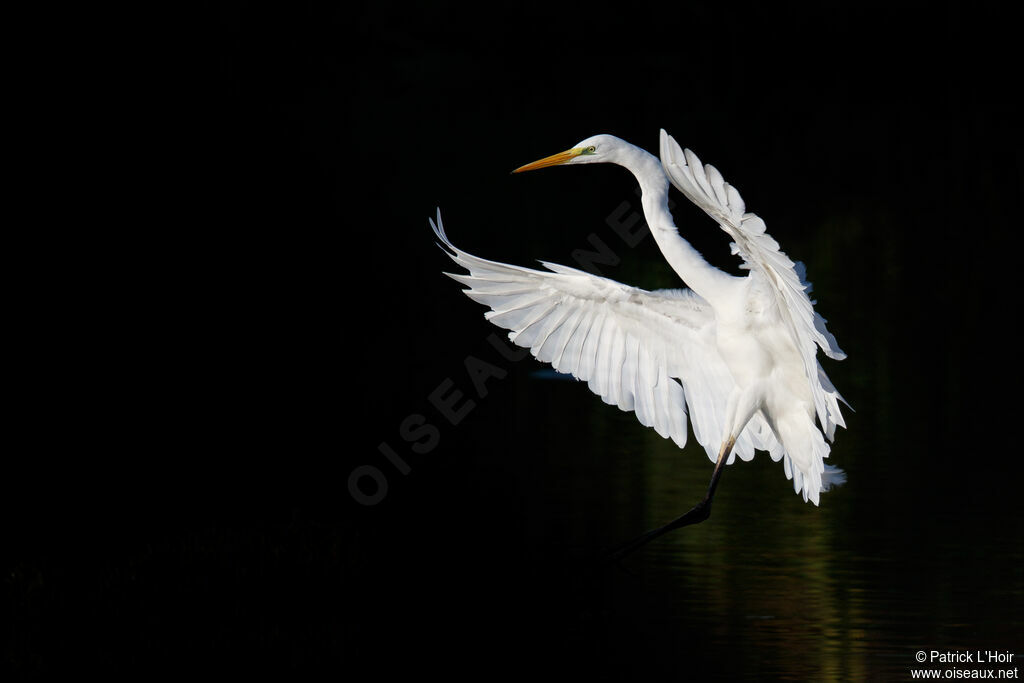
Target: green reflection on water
{"x": 849, "y": 590}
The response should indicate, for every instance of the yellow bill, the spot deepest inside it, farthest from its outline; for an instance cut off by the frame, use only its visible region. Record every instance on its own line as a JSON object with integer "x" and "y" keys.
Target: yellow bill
{"x": 553, "y": 160}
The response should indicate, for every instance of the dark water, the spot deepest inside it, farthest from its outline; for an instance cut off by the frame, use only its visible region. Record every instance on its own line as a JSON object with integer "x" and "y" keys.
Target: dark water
{"x": 847, "y": 591}
{"x": 204, "y": 380}
{"x": 894, "y": 562}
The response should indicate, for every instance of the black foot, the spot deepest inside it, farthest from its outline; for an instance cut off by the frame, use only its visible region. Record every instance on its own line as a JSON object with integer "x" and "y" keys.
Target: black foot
{"x": 697, "y": 514}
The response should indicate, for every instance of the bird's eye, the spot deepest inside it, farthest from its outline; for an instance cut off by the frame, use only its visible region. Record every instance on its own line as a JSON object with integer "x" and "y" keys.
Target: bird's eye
{"x": 591, "y": 149}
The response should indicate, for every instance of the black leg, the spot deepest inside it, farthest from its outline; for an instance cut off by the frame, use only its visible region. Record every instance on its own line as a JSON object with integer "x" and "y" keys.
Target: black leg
{"x": 697, "y": 514}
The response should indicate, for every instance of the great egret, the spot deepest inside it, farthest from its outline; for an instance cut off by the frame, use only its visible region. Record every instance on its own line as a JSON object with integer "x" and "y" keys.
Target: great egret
{"x": 743, "y": 349}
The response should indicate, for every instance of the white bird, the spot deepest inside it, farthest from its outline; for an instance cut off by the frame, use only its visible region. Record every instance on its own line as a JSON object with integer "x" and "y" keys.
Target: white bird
{"x": 740, "y": 353}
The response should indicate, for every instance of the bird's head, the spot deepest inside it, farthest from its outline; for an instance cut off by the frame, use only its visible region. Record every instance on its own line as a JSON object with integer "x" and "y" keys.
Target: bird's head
{"x": 598, "y": 149}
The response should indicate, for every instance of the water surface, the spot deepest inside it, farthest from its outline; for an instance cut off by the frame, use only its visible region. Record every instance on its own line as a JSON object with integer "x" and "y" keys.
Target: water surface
{"x": 850, "y": 590}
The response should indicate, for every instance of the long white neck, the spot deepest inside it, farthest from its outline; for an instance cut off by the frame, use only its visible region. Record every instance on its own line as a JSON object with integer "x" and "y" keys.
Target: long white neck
{"x": 700, "y": 276}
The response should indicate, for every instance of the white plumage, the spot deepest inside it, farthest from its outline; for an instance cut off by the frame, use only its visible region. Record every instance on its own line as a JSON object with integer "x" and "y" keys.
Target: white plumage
{"x": 738, "y": 354}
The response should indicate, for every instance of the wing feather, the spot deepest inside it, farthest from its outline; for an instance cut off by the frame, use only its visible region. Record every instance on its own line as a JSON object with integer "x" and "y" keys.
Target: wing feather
{"x": 649, "y": 352}
{"x": 704, "y": 186}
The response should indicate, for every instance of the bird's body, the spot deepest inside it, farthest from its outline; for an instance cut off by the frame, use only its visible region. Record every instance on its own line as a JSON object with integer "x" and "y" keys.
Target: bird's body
{"x": 743, "y": 349}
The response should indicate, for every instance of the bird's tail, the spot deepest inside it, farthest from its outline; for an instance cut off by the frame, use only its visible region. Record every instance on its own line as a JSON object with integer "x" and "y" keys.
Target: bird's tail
{"x": 806, "y": 452}
{"x": 832, "y": 476}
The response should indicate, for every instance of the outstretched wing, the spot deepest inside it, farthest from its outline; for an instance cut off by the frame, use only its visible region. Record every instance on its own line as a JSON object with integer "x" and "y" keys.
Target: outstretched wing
{"x": 630, "y": 345}
{"x": 704, "y": 186}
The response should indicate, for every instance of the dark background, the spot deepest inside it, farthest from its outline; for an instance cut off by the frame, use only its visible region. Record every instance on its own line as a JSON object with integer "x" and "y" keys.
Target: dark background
{"x": 245, "y": 301}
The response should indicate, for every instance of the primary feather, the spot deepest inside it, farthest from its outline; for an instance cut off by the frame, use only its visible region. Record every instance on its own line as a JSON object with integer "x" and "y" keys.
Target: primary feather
{"x": 630, "y": 345}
